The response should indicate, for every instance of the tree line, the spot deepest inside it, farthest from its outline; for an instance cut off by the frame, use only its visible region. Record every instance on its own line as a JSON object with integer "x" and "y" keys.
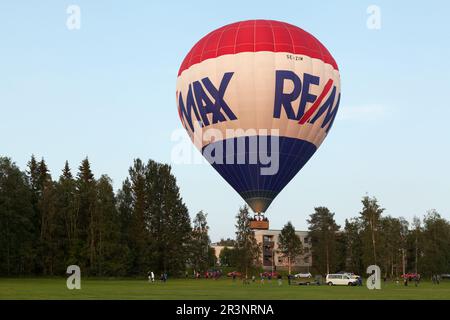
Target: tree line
{"x": 47, "y": 225}
{"x": 393, "y": 244}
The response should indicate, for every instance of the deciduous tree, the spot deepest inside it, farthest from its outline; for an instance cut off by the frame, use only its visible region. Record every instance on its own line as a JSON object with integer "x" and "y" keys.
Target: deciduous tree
{"x": 289, "y": 244}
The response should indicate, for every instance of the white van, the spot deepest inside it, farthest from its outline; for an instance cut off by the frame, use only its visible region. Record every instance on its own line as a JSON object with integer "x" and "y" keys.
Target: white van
{"x": 341, "y": 279}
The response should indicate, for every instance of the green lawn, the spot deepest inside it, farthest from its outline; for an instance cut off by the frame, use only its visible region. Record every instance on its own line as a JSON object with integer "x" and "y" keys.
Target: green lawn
{"x": 43, "y": 288}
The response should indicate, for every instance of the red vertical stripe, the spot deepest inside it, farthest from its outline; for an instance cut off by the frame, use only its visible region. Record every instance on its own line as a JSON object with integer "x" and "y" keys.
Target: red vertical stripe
{"x": 308, "y": 114}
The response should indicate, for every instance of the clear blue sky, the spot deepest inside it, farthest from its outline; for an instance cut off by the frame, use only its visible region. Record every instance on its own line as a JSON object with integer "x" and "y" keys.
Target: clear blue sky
{"x": 108, "y": 91}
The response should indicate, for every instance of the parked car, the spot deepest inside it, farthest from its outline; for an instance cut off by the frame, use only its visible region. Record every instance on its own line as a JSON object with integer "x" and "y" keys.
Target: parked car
{"x": 270, "y": 274}
{"x": 307, "y": 279}
{"x": 350, "y": 274}
{"x": 445, "y": 276}
{"x": 317, "y": 281}
{"x": 410, "y": 276}
{"x": 303, "y": 275}
{"x": 341, "y": 279}
{"x": 234, "y": 273}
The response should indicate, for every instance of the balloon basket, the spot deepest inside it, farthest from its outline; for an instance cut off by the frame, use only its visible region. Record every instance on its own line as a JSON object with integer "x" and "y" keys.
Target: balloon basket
{"x": 259, "y": 224}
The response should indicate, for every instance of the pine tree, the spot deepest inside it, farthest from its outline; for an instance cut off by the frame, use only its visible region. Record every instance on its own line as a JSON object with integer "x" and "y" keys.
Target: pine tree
{"x": 110, "y": 251}
{"x": 353, "y": 246}
{"x": 46, "y": 205}
{"x": 33, "y": 176}
{"x": 125, "y": 212}
{"x": 139, "y": 222}
{"x": 66, "y": 220}
{"x": 85, "y": 200}
{"x": 289, "y": 244}
{"x": 247, "y": 249}
{"x": 171, "y": 217}
{"x": 199, "y": 248}
{"x": 17, "y": 233}
{"x": 157, "y": 219}
{"x": 322, "y": 230}
{"x": 417, "y": 234}
{"x": 370, "y": 217}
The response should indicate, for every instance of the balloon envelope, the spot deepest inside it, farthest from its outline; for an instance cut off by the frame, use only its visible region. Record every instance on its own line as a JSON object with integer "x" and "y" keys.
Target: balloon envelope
{"x": 258, "y": 97}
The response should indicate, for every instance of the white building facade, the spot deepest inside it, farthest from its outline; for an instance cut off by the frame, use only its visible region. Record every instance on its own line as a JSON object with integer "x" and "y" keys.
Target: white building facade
{"x": 272, "y": 259}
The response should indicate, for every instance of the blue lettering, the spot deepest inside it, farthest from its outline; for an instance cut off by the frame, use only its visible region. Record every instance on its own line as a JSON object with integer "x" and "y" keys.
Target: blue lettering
{"x": 218, "y": 96}
{"x": 285, "y": 99}
{"x": 202, "y": 105}
{"x": 302, "y": 90}
{"x": 331, "y": 112}
{"x": 186, "y": 112}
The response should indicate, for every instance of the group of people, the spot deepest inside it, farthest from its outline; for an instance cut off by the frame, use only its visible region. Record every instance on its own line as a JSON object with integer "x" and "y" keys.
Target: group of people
{"x": 151, "y": 277}
{"x": 246, "y": 280}
{"x": 436, "y": 279}
{"x": 214, "y": 274}
{"x": 269, "y": 277}
{"x": 259, "y": 218}
{"x": 406, "y": 280}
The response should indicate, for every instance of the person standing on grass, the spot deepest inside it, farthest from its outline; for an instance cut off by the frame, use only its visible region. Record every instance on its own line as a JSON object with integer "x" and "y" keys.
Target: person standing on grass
{"x": 152, "y": 276}
{"x": 360, "y": 282}
{"x": 262, "y": 278}
{"x": 280, "y": 282}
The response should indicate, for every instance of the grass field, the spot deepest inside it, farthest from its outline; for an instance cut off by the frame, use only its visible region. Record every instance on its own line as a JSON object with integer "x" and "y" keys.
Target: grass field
{"x": 191, "y": 289}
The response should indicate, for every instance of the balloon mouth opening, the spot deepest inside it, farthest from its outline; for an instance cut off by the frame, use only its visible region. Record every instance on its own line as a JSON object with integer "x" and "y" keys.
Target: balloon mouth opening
{"x": 258, "y": 204}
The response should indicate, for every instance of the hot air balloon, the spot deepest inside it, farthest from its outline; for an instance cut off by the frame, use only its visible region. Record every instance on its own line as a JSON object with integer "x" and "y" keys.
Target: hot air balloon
{"x": 255, "y": 88}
